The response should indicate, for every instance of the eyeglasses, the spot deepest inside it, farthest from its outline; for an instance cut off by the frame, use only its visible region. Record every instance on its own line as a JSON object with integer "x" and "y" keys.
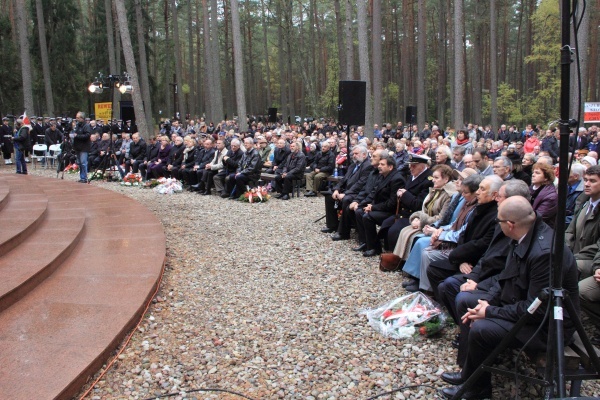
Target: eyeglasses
{"x": 497, "y": 220}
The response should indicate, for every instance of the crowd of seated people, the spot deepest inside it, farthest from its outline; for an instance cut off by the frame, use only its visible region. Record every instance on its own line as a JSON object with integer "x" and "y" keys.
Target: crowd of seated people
{"x": 469, "y": 213}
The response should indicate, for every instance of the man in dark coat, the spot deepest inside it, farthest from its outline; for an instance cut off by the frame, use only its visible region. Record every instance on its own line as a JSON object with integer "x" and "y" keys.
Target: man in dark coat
{"x": 6, "y": 135}
{"x": 21, "y": 142}
{"x": 346, "y": 191}
{"x": 411, "y": 198}
{"x": 248, "y": 170}
{"x": 321, "y": 167}
{"x": 52, "y": 135}
{"x": 175, "y": 159}
{"x": 230, "y": 164}
{"x": 202, "y": 156}
{"x": 137, "y": 152}
{"x": 82, "y": 145}
{"x": 485, "y": 320}
{"x": 550, "y": 143}
{"x": 378, "y": 206}
{"x": 152, "y": 149}
{"x": 279, "y": 155}
{"x": 292, "y": 170}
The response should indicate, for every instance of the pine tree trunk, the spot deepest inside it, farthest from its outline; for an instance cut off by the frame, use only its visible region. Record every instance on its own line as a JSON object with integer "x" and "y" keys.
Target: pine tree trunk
{"x": 191, "y": 75}
{"x": 208, "y": 67}
{"x": 476, "y": 66}
{"x": 168, "y": 83}
{"x": 44, "y": 56}
{"x": 459, "y": 66}
{"x": 349, "y": 42}
{"x": 281, "y": 61}
{"x": 363, "y": 58}
{"x": 266, "y": 50}
{"x": 580, "y": 94}
{"x": 377, "y": 67}
{"x": 112, "y": 62}
{"x": 144, "y": 82}
{"x": 441, "y": 76}
{"x": 339, "y": 29}
{"x": 178, "y": 62}
{"x": 421, "y": 63}
{"x": 494, "y": 66}
{"x": 138, "y": 104}
{"x": 22, "y": 24}
{"x": 215, "y": 56}
{"x": 240, "y": 96}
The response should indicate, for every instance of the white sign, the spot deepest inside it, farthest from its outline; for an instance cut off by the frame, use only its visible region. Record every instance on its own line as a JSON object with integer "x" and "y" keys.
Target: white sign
{"x": 591, "y": 113}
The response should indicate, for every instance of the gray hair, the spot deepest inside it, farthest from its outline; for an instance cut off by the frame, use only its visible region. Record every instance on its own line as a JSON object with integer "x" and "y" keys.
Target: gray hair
{"x": 446, "y": 150}
{"x": 236, "y": 142}
{"x": 495, "y": 182}
{"x": 578, "y": 169}
{"x": 459, "y": 149}
{"x": 505, "y": 161}
{"x": 516, "y": 187}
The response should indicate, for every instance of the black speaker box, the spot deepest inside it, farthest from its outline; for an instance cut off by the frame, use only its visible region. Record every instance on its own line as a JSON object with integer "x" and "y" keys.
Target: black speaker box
{"x": 272, "y": 115}
{"x": 411, "y": 115}
{"x": 352, "y": 96}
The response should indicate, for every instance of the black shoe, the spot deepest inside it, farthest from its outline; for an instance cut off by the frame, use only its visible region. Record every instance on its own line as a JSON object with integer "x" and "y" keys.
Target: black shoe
{"x": 337, "y": 237}
{"x": 310, "y": 194}
{"x": 473, "y": 393}
{"x": 285, "y": 197}
{"x": 453, "y": 378}
{"x": 232, "y": 198}
{"x": 408, "y": 282}
{"x": 279, "y": 196}
{"x": 205, "y": 193}
{"x": 195, "y": 187}
{"x": 82, "y": 181}
{"x": 413, "y": 287}
{"x": 327, "y": 230}
{"x": 456, "y": 341}
{"x": 224, "y": 196}
{"x": 371, "y": 253}
{"x": 360, "y": 247}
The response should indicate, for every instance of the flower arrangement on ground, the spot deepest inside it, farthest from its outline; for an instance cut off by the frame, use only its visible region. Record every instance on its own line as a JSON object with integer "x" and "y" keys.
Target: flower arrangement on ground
{"x": 132, "y": 179}
{"x": 72, "y": 168}
{"x": 408, "y": 316}
{"x": 168, "y": 186}
{"x": 258, "y": 194}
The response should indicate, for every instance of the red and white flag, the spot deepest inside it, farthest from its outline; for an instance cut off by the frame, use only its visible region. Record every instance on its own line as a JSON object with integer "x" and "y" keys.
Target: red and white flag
{"x": 25, "y": 119}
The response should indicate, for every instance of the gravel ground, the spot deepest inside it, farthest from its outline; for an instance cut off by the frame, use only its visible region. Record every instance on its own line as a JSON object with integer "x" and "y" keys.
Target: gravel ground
{"x": 256, "y": 300}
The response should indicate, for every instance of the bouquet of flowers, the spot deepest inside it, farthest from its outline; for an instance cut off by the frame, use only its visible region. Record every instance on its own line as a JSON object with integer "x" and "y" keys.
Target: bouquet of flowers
{"x": 407, "y": 316}
{"x": 168, "y": 186}
{"x": 72, "y": 169}
{"x": 258, "y": 194}
{"x": 151, "y": 184}
{"x": 132, "y": 179}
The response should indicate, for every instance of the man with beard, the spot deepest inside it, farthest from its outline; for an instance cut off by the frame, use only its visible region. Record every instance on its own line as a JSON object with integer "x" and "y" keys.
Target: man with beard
{"x": 346, "y": 191}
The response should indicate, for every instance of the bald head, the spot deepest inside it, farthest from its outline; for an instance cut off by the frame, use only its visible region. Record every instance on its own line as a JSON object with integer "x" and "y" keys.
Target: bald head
{"x": 516, "y": 216}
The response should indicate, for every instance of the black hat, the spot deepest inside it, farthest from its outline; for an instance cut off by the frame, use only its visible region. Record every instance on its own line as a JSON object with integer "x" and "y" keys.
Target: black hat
{"x": 418, "y": 159}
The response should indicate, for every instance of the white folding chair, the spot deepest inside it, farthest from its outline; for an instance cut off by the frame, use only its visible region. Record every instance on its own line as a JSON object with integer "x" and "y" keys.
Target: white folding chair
{"x": 39, "y": 153}
{"x": 53, "y": 153}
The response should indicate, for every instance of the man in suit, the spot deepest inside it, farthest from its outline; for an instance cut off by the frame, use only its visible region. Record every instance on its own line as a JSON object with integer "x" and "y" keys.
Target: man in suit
{"x": 292, "y": 169}
{"x": 378, "y": 206}
{"x": 487, "y": 317}
{"x": 321, "y": 168}
{"x": 137, "y": 152}
{"x": 578, "y": 141}
{"x": 248, "y": 170}
{"x": 346, "y": 191}
{"x": 203, "y": 155}
{"x": 410, "y": 196}
{"x": 230, "y": 164}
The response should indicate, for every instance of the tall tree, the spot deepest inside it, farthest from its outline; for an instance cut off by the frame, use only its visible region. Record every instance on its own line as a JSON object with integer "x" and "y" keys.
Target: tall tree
{"x": 421, "y": 63}
{"x": 377, "y": 65}
{"x": 239, "y": 65}
{"x": 138, "y": 103}
{"x": 178, "y": 60}
{"x": 459, "y": 66}
{"x": 215, "y": 57}
{"x": 266, "y": 50}
{"x": 349, "y": 42}
{"x": 339, "y": 30}
{"x": 167, "y": 77}
{"x": 579, "y": 93}
{"x": 190, "y": 35}
{"x": 144, "y": 81}
{"x": 110, "y": 35}
{"x": 44, "y": 55}
{"x": 363, "y": 58}
{"x": 209, "y": 75}
{"x": 22, "y": 24}
{"x": 494, "y": 66}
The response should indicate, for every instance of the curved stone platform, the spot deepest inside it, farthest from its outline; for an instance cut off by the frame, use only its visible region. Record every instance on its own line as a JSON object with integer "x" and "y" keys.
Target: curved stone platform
{"x": 77, "y": 272}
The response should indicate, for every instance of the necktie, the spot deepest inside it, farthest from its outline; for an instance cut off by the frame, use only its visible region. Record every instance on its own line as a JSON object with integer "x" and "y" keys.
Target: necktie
{"x": 590, "y": 210}
{"x": 355, "y": 169}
